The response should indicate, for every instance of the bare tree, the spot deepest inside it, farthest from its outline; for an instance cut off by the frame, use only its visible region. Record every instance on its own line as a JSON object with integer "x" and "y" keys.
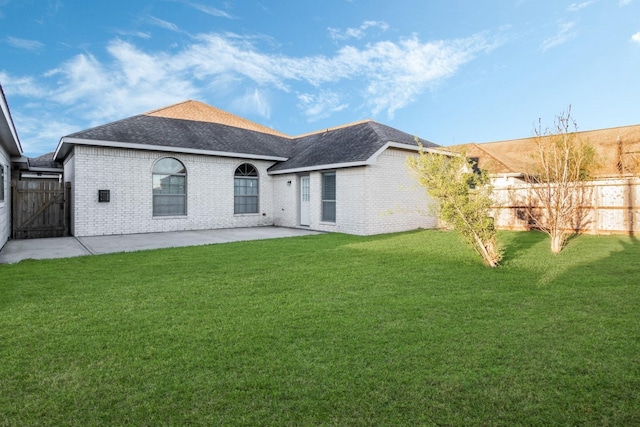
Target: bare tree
{"x": 557, "y": 184}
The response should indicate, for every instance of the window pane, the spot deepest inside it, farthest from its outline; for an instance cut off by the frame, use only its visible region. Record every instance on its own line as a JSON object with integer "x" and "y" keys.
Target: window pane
{"x": 168, "y": 184}
{"x": 329, "y": 186}
{"x": 329, "y": 211}
{"x": 246, "y": 195}
{"x": 246, "y": 170}
{"x": 246, "y": 204}
{"x": 169, "y": 188}
{"x": 329, "y": 197}
{"x": 165, "y": 205}
{"x": 169, "y": 166}
{"x": 1, "y": 182}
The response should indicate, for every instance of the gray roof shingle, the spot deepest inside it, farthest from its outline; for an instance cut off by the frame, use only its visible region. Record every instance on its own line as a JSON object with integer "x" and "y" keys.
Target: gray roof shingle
{"x": 165, "y": 132}
{"x": 348, "y": 144}
{"x": 354, "y": 143}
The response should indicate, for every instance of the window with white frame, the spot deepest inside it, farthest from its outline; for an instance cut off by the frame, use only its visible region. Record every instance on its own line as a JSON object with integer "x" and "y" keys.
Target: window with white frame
{"x": 169, "y": 188}
{"x": 245, "y": 189}
{"x": 329, "y": 196}
{"x": 2, "y": 183}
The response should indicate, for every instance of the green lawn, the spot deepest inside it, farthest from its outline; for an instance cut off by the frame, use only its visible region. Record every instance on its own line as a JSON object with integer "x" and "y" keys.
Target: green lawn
{"x": 402, "y": 329}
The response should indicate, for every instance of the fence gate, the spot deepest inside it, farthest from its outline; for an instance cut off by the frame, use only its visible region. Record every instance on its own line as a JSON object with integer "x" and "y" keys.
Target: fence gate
{"x": 40, "y": 209}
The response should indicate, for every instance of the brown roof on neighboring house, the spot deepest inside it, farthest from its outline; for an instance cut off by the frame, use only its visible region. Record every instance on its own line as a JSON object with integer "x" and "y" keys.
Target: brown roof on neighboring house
{"x": 201, "y": 112}
{"x": 617, "y": 152}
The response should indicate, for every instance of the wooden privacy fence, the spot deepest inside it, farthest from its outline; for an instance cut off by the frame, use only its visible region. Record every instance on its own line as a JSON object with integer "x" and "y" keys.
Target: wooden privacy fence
{"x": 40, "y": 209}
{"x": 611, "y": 206}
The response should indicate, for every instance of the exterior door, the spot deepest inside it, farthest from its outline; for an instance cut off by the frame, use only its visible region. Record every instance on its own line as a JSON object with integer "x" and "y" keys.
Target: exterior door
{"x": 305, "y": 201}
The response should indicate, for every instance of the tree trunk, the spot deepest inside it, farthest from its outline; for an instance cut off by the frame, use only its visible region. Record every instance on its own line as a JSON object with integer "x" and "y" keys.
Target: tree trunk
{"x": 557, "y": 241}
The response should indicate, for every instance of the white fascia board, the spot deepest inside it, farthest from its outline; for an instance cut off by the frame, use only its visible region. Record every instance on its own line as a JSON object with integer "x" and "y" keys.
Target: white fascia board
{"x": 410, "y": 147}
{"x": 319, "y": 167}
{"x": 370, "y": 161}
{"x": 114, "y": 144}
{"x": 8, "y": 129}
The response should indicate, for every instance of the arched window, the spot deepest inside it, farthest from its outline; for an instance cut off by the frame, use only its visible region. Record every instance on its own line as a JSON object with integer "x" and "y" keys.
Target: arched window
{"x": 169, "y": 188}
{"x": 245, "y": 189}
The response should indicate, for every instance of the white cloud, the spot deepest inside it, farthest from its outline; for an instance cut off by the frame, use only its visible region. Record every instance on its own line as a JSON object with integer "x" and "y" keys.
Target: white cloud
{"x": 253, "y": 102}
{"x": 163, "y": 24}
{"x": 138, "y": 34}
{"x": 636, "y": 37}
{"x": 356, "y": 33}
{"x": 564, "y": 34}
{"x": 210, "y": 10}
{"x": 321, "y": 105}
{"x": 24, "y": 43}
{"x": 380, "y": 77}
{"x": 574, "y": 7}
{"x": 22, "y": 86}
{"x": 623, "y": 3}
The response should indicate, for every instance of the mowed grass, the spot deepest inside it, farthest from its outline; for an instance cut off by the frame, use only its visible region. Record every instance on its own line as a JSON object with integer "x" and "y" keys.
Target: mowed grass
{"x": 401, "y": 329}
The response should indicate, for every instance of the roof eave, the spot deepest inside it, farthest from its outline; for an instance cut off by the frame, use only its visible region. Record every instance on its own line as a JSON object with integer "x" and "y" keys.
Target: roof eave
{"x": 66, "y": 143}
{"x": 8, "y": 131}
{"x": 370, "y": 161}
{"x": 319, "y": 168}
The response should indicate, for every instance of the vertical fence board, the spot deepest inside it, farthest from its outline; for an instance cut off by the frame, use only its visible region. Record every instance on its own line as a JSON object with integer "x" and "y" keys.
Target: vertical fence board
{"x": 39, "y": 209}
{"x": 612, "y": 209}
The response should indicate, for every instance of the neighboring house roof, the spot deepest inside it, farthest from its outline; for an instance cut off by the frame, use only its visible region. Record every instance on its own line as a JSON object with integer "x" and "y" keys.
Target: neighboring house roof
{"x": 194, "y": 127}
{"x": 8, "y": 134}
{"x": 617, "y": 152}
{"x": 44, "y": 162}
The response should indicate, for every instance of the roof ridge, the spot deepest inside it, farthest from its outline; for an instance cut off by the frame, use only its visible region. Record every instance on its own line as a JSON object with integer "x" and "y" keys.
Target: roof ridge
{"x": 346, "y": 125}
{"x": 201, "y": 112}
{"x": 148, "y": 113}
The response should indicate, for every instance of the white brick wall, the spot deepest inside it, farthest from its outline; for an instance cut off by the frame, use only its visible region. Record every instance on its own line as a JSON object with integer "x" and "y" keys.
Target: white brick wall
{"x": 382, "y": 198}
{"x": 395, "y": 201}
{"x": 5, "y": 205}
{"x": 127, "y": 174}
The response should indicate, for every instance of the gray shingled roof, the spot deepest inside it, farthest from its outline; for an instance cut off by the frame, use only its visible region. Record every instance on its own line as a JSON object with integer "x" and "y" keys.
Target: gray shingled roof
{"x": 349, "y": 144}
{"x": 354, "y": 143}
{"x": 44, "y": 161}
{"x": 164, "y": 132}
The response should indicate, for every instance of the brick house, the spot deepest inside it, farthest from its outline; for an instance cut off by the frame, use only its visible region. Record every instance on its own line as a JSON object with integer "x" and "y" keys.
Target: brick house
{"x": 10, "y": 151}
{"x": 191, "y": 166}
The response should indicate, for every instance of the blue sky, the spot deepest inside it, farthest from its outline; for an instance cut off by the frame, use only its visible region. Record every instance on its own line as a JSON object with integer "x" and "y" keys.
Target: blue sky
{"x": 450, "y": 71}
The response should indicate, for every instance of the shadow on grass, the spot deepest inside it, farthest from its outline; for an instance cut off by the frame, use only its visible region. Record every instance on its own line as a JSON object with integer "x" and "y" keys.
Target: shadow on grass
{"x": 515, "y": 243}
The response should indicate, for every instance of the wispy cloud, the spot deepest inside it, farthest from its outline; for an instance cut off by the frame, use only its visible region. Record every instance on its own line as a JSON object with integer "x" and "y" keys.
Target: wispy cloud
{"x": 636, "y": 37}
{"x": 25, "y": 86}
{"x": 254, "y": 101}
{"x": 24, "y": 43}
{"x": 138, "y": 34}
{"x": 574, "y": 7}
{"x": 381, "y": 77}
{"x": 316, "y": 106}
{"x": 210, "y": 10}
{"x": 356, "y": 33}
{"x": 565, "y": 33}
{"x": 163, "y": 24}
{"x": 623, "y": 3}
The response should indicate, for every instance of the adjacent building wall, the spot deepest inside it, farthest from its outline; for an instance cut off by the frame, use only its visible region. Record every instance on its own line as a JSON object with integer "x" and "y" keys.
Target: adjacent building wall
{"x": 5, "y": 205}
